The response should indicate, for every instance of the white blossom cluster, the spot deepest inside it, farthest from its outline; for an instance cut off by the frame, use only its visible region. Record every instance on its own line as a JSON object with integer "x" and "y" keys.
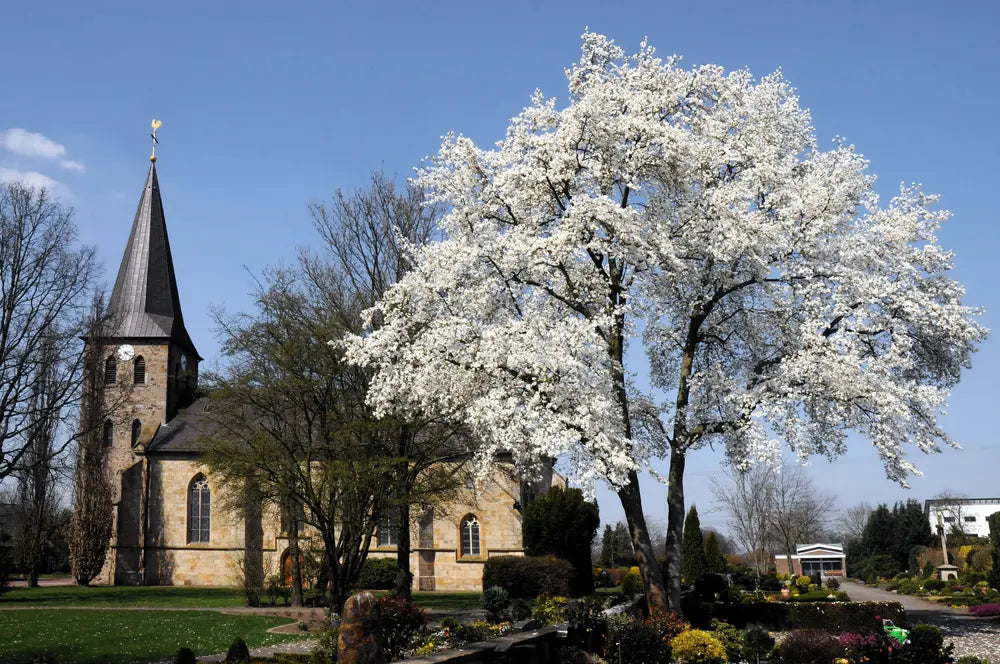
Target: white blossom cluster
{"x": 691, "y": 211}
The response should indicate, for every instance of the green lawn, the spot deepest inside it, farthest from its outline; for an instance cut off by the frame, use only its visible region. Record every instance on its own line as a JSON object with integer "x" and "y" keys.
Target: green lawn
{"x": 450, "y": 601}
{"x": 113, "y": 596}
{"x": 179, "y": 597}
{"x": 83, "y": 636}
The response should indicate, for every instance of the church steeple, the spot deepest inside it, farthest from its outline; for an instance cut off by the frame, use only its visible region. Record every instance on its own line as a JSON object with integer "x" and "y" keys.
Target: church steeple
{"x": 145, "y": 301}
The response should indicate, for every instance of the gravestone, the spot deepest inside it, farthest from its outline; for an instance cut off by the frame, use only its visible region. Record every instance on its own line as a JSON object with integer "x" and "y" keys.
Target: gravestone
{"x": 360, "y": 639}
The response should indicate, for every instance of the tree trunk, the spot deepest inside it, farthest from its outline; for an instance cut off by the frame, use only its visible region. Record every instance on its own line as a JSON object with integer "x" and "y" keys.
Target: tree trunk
{"x": 675, "y": 526}
{"x": 404, "y": 579}
{"x": 338, "y": 593}
{"x": 294, "y": 553}
{"x": 645, "y": 557}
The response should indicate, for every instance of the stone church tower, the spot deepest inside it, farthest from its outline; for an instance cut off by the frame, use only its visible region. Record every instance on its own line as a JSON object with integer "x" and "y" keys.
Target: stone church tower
{"x": 152, "y": 362}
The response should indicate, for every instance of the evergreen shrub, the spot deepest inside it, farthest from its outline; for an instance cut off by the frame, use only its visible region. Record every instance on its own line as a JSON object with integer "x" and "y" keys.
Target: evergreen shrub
{"x": 860, "y": 617}
{"x": 495, "y": 601}
{"x": 185, "y": 656}
{"x": 377, "y": 574}
{"x": 757, "y": 642}
{"x": 238, "y": 653}
{"x": 550, "y": 610}
{"x": 632, "y": 584}
{"x": 730, "y": 638}
{"x": 528, "y": 576}
{"x": 926, "y": 646}
{"x": 697, "y": 647}
{"x": 934, "y": 585}
{"x": 636, "y": 640}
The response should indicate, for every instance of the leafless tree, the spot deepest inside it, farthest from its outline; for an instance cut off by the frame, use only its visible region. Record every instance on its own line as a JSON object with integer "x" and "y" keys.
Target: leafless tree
{"x": 93, "y": 517}
{"x": 368, "y": 236}
{"x": 37, "y": 474}
{"x": 45, "y": 279}
{"x": 951, "y": 506}
{"x": 797, "y": 512}
{"x": 745, "y": 498}
{"x": 853, "y": 520}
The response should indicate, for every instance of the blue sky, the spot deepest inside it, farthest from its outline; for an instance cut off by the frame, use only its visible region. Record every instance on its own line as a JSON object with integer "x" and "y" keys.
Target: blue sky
{"x": 267, "y": 107}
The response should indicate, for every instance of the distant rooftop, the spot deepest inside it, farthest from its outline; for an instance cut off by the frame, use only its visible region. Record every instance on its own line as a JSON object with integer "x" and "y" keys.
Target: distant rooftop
{"x": 802, "y": 548}
{"x": 959, "y": 501}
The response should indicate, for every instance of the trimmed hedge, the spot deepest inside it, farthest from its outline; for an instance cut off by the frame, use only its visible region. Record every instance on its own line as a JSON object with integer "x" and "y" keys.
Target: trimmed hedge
{"x": 528, "y": 576}
{"x": 377, "y": 574}
{"x": 835, "y": 617}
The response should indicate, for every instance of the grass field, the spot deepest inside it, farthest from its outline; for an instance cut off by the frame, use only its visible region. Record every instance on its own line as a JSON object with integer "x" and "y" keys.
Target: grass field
{"x": 450, "y": 601}
{"x": 112, "y": 637}
{"x": 178, "y": 597}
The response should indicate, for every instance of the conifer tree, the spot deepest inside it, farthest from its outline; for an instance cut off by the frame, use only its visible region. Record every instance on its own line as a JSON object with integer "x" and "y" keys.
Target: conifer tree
{"x": 563, "y": 523}
{"x": 715, "y": 561}
{"x": 693, "y": 548}
{"x": 607, "y": 546}
{"x": 624, "y": 552}
{"x": 910, "y": 529}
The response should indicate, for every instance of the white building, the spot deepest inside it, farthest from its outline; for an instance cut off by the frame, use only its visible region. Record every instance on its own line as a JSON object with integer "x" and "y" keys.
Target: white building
{"x": 823, "y": 559}
{"x": 966, "y": 514}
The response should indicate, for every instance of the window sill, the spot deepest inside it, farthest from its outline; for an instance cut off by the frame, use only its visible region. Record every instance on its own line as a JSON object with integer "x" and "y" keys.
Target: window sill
{"x": 481, "y": 558}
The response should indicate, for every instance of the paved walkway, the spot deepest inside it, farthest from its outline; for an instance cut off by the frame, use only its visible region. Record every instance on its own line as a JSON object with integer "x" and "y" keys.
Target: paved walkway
{"x": 44, "y": 583}
{"x": 971, "y": 635}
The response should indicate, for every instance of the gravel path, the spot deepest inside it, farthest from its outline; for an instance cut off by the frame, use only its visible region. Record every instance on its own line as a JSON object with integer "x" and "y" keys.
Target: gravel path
{"x": 971, "y": 635}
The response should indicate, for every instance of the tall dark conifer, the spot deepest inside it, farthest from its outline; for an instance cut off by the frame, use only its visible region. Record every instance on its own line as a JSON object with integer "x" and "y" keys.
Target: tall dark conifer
{"x": 715, "y": 561}
{"x": 694, "y": 565}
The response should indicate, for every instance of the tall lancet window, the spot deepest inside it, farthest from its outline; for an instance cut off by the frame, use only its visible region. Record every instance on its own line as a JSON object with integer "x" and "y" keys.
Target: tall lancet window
{"x": 199, "y": 510}
{"x": 470, "y": 536}
{"x": 139, "y": 371}
{"x": 136, "y": 431}
{"x": 110, "y": 370}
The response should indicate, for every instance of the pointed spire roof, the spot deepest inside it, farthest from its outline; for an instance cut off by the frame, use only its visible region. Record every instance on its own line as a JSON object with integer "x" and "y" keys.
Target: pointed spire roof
{"x": 144, "y": 301}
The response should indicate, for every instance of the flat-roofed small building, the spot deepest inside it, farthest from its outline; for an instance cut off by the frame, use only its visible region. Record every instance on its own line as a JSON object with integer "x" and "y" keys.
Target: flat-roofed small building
{"x": 809, "y": 559}
{"x": 967, "y": 515}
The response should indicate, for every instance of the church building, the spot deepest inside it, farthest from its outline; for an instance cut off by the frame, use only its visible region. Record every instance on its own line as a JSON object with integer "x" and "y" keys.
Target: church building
{"x": 169, "y": 526}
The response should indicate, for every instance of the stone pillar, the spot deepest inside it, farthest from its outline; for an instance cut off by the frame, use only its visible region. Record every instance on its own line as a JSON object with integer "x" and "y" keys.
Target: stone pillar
{"x": 360, "y": 640}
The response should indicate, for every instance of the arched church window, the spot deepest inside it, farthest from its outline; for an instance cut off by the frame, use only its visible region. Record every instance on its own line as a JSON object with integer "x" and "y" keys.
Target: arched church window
{"x": 139, "y": 371}
{"x": 199, "y": 509}
{"x": 470, "y": 536}
{"x": 136, "y": 431}
{"x": 108, "y": 435}
{"x": 110, "y": 370}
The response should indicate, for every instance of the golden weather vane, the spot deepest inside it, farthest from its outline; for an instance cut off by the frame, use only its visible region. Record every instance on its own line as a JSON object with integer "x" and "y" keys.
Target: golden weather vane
{"x": 156, "y": 125}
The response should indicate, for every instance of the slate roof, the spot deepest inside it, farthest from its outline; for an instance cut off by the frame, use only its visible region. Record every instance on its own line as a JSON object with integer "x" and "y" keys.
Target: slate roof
{"x": 183, "y": 434}
{"x": 144, "y": 301}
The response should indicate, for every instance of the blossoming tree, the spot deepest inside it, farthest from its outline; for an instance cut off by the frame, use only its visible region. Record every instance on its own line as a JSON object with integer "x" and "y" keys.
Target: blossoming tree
{"x": 691, "y": 212}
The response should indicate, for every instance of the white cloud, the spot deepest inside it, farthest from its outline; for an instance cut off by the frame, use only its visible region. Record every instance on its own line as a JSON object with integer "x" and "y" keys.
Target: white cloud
{"x": 32, "y": 179}
{"x": 72, "y": 165}
{"x": 31, "y": 144}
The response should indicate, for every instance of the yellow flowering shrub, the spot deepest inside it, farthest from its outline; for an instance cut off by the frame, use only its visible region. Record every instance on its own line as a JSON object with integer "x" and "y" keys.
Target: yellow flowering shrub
{"x": 697, "y": 646}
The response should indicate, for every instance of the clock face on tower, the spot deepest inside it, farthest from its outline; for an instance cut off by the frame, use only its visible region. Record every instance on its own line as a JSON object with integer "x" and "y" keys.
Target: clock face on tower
{"x": 184, "y": 362}
{"x": 125, "y": 352}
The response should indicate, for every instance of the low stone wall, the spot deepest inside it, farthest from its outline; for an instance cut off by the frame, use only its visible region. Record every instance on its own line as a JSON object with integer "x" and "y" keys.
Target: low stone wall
{"x": 537, "y": 647}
